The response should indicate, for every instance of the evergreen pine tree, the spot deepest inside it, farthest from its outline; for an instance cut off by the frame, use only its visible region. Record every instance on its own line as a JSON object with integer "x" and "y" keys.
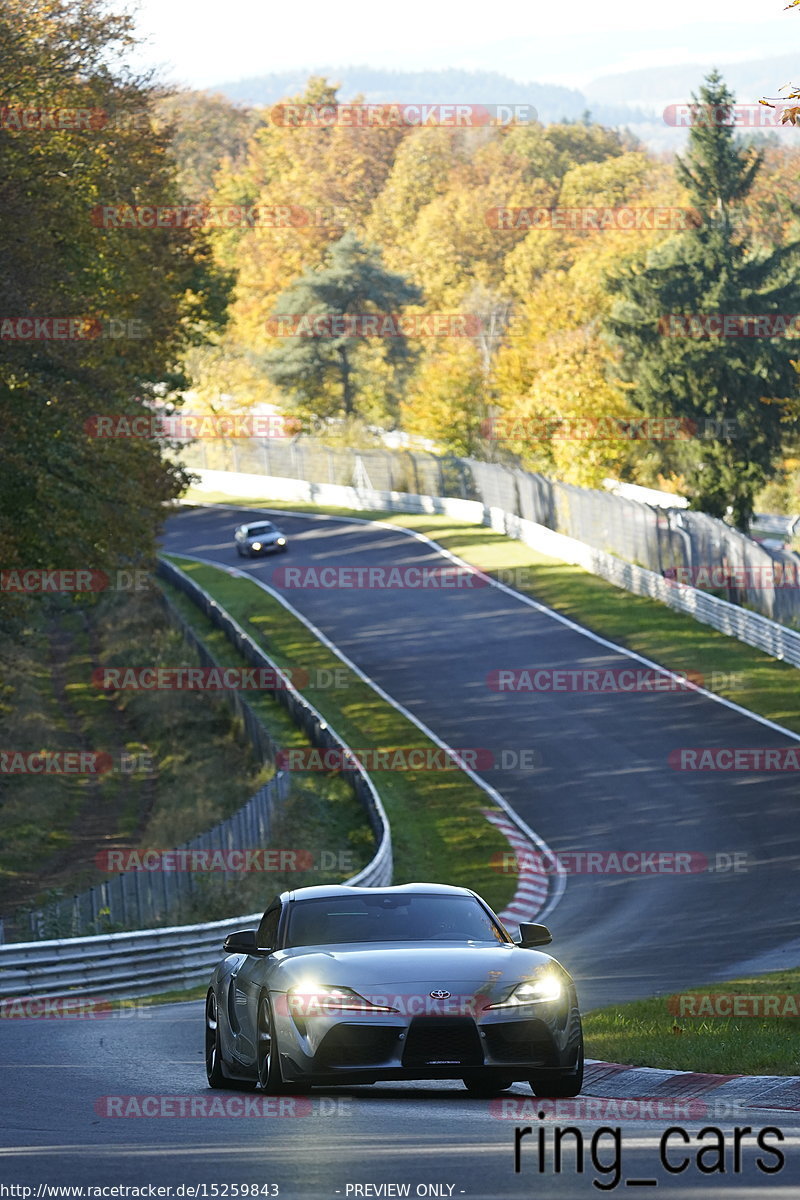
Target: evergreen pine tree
{"x": 734, "y": 393}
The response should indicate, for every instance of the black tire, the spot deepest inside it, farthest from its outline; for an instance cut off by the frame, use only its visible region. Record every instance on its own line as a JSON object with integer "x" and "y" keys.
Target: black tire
{"x": 562, "y": 1086}
{"x": 486, "y": 1087}
{"x": 212, "y": 1047}
{"x": 214, "y": 1070}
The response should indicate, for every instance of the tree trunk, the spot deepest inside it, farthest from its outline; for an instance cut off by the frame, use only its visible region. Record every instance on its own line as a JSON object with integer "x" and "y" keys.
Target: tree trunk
{"x": 347, "y": 391}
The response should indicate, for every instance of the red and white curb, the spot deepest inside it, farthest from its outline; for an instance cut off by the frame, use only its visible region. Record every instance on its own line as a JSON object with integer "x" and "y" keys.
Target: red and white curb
{"x": 533, "y": 885}
{"x": 716, "y": 1092}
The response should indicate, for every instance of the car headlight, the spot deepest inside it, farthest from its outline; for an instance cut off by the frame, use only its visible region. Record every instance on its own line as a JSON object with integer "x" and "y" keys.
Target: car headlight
{"x": 281, "y": 541}
{"x": 545, "y": 989}
{"x": 256, "y": 545}
{"x": 309, "y": 1000}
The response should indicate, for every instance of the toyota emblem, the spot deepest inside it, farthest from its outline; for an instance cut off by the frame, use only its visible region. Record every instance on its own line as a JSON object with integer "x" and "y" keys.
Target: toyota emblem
{"x": 438, "y": 994}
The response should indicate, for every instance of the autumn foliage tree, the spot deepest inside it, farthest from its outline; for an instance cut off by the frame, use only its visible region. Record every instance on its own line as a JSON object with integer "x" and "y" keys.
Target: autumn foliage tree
{"x": 140, "y": 296}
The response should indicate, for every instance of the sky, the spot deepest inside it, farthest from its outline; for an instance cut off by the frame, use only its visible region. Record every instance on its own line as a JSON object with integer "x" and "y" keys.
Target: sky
{"x": 200, "y": 43}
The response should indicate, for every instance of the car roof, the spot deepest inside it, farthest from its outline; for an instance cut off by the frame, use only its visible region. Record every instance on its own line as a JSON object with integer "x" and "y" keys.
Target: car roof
{"x": 331, "y": 890}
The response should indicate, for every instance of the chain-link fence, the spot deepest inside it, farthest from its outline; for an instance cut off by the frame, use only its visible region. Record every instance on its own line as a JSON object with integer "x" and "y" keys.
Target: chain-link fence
{"x": 145, "y": 899}
{"x": 661, "y": 539}
{"x": 141, "y": 899}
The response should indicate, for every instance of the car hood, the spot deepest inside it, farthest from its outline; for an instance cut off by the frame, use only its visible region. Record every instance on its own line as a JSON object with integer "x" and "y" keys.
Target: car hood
{"x": 263, "y": 537}
{"x": 379, "y": 968}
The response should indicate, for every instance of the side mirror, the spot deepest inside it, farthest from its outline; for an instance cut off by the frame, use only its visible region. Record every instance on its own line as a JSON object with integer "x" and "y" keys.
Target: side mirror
{"x": 243, "y": 942}
{"x": 534, "y": 935}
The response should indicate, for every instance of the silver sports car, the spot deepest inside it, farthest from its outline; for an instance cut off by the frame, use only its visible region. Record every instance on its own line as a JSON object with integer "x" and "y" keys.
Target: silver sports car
{"x": 355, "y": 985}
{"x": 261, "y": 537}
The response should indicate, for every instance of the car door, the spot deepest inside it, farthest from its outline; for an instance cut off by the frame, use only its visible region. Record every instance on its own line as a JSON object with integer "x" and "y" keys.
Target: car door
{"x": 247, "y": 983}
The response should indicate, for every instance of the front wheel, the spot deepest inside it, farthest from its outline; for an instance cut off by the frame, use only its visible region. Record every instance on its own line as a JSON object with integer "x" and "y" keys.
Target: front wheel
{"x": 562, "y": 1086}
{"x": 213, "y": 1056}
{"x": 268, "y": 1055}
{"x": 269, "y": 1074}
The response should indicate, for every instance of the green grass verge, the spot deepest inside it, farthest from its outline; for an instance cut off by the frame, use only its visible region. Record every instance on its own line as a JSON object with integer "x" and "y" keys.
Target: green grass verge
{"x": 438, "y": 831}
{"x": 730, "y": 668}
{"x": 657, "y": 1033}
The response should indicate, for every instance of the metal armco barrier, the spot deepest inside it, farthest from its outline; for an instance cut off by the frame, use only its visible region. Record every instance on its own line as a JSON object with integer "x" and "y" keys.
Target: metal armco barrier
{"x": 115, "y": 965}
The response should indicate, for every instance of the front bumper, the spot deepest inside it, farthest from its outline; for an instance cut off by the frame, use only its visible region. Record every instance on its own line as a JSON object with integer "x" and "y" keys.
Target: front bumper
{"x": 359, "y": 1046}
{"x": 271, "y": 548}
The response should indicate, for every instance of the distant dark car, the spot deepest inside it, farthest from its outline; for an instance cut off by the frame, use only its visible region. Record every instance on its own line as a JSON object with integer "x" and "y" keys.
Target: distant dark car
{"x": 262, "y": 537}
{"x": 354, "y": 985}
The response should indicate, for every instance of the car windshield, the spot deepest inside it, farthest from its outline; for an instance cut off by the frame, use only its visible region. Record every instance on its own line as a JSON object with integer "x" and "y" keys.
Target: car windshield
{"x": 386, "y": 918}
{"x": 259, "y": 530}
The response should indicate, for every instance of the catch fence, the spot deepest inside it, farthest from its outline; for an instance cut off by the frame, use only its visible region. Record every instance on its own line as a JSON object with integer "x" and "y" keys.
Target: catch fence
{"x": 660, "y": 539}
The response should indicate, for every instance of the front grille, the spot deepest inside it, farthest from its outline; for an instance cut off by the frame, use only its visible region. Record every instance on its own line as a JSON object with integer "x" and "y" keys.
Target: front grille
{"x": 442, "y": 1042}
{"x": 358, "y": 1046}
{"x": 520, "y": 1041}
